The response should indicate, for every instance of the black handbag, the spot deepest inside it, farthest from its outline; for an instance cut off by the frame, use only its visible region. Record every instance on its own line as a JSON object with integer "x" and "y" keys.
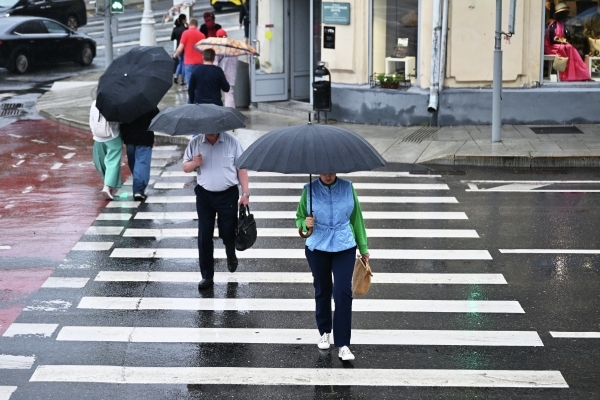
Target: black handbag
{"x": 245, "y": 233}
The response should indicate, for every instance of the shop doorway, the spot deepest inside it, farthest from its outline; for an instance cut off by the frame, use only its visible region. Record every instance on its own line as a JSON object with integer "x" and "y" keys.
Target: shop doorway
{"x": 280, "y": 32}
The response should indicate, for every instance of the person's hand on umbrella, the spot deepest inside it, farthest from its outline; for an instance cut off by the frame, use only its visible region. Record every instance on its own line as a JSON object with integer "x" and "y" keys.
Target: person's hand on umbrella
{"x": 197, "y": 161}
{"x": 310, "y": 222}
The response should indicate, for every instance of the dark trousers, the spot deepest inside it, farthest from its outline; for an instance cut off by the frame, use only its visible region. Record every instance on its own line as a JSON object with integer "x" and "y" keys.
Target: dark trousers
{"x": 341, "y": 264}
{"x": 208, "y": 205}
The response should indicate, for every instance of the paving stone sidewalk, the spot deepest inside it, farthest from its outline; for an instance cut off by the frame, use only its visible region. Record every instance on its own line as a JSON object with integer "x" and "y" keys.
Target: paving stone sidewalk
{"x": 68, "y": 102}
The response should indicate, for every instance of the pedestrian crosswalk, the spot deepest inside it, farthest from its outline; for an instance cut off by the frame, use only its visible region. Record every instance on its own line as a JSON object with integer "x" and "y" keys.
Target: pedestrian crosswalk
{"x": 132, "y": 280}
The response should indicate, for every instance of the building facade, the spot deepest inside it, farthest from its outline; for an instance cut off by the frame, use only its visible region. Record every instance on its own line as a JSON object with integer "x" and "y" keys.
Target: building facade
{"x": 441, "y": 51}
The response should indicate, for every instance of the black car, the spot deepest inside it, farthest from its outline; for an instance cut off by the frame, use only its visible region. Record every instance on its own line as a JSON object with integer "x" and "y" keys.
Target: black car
{"x": 25, "y": 41}
{"x": 69, "y": 12}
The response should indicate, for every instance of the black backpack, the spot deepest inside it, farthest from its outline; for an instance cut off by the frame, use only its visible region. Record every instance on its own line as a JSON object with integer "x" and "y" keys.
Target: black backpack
{"x": 245, "y": 233}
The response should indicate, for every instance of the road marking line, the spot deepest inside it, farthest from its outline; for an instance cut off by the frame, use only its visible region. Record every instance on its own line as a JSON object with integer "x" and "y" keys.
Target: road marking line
{"x": 532, "y": 182}
{"x": 66, "y": 147}
{"x": 299, "y": 254}
{"x": 63, "y": 282}
{"x": 92, "y": 246}
{"x": 158, "y": 163}
{"x": 69, "y": 156}
{"x": 113, "y": 217}
{"x": 56, "y": 166}
{"x": 548, "y": 251}
{"x": 298, "y": 376}
{"x": 576, "y": 335}
{"x": 104, "y": 230}
{"x": 7, "y": 391}
{"x": 4, "y": 247}
{"x": 297, "y": 185}
{"x": 161, "y": 155}
{"x": 28, "y": 189}
{"x": 292, "y": 215}
{"x": 295, "y": 199}
{"x": 19, "y": 163}
{"x": 44, "y": 177}
{"x": 39, "y": 141}
{"x": 535, "y": 191}
{"x": 155, "y": 172}
{"x": 165, "y": 148}
{"x": 247, "y": 304}
{"x": 296, "y": 336}
{"x": 16, "y": 362}
{"x": 293, "y": 232}
{"x": 49, "y": 305}
{"x": 18, "y": 329}
{"x": 123, "y": 204}
{"x": 298, "y": 277}
{"x": 15, "y": 135}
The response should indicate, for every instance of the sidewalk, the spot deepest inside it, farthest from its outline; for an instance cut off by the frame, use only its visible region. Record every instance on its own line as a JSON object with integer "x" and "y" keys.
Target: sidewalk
{"x": 68, "y": 102}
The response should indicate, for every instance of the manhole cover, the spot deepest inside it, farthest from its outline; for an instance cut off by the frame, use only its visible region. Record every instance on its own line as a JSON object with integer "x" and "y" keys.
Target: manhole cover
{"x": 421, "y": 134}
{"x": 555, "y": 129}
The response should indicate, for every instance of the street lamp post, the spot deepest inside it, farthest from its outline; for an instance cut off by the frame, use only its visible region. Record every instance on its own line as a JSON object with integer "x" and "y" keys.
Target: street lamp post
{"x": 147, "y": 33}
{"x": 497, "y": 91}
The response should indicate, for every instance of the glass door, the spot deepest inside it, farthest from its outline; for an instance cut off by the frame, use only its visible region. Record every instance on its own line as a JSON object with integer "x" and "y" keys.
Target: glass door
{"x": 269, "y": 35}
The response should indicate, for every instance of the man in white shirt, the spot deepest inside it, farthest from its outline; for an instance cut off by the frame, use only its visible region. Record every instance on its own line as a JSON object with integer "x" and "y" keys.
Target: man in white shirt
{"x": 213, "y": 157}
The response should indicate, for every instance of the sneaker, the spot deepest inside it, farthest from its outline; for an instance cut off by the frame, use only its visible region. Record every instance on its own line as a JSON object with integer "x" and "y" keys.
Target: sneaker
{"x": 175, "y": 80}
{"x": 345, "y": 354}
{"x": 324, "y": 342}
{"x": 139, "y": 197}
{"x": 106, "y": 192}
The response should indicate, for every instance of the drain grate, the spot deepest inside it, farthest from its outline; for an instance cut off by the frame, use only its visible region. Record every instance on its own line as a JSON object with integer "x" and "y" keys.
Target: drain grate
{"x": 443, "y": 172}
{"x": 10, "y": 112}
{"x": 421, "y": 134}
{"x": 555, "y": 129}
{"x": 10, "y": 106}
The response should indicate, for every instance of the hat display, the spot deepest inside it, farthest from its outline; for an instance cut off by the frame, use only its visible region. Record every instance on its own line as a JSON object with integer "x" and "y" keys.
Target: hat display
{"x": 561, "y": 7}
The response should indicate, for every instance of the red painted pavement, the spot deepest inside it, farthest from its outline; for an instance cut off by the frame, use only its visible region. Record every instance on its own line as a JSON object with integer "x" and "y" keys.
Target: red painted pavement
{"x": 45, "y": 211}
{"x": 15, "y": 286}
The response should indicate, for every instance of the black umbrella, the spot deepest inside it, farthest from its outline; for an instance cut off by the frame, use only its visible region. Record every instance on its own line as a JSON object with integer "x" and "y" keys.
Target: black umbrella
{"x": 134, "y": 83}
{"x": 310, "y": 149}
{"x": 197, "y": 118}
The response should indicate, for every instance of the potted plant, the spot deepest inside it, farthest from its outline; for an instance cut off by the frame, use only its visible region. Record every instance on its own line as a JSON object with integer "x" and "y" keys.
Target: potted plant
{"x": 390, "y": 81}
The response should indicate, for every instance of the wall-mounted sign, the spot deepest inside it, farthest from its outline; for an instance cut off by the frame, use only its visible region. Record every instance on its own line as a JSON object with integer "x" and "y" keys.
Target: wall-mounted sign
{"x": 336, "y": 13}
{"x": 329, "y": 37}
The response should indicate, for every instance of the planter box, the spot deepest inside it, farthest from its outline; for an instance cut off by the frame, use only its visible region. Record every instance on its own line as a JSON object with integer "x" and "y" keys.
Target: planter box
{"x": 390, "y": 85}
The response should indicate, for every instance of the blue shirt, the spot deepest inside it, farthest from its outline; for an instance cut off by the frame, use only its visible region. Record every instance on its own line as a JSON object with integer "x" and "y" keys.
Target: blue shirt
{"x": 205, "y": 85}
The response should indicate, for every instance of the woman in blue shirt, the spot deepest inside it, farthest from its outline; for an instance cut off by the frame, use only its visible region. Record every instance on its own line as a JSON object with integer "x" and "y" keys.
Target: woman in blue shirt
{"x": 338, "y": 229}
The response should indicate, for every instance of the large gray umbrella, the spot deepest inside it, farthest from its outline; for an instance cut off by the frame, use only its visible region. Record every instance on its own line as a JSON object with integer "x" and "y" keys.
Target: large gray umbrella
{"x": 197, "y": 118}
{"x": 310, "y": 149}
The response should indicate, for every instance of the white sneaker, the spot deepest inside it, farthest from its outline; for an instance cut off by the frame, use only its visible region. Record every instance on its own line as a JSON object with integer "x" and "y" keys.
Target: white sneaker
{"x": 324, "y": 342}
{"x": 345, "y": 354}
{"x": 106, "y": 192}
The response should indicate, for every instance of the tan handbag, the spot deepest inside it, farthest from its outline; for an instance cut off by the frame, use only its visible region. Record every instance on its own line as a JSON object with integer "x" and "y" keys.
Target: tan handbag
{"x": 361, "y": 277}
{"x": 560, "y": 63}
{"x": 594, "y": 45}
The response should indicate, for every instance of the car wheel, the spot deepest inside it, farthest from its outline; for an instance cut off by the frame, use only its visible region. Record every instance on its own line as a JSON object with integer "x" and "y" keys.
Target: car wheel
{"x": 21, "y": 63}
{"x": 86, "y": 56}
{"x": 72, "y": 22}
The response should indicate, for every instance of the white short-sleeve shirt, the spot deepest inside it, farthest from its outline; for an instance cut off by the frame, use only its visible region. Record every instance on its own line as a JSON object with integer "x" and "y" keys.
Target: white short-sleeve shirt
{"x": 217, "y": 172}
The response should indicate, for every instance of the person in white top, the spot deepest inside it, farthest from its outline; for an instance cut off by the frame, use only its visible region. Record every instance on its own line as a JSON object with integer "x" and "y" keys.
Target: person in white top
{"x": 108, "y": 148}
{"x": 213, "y": 157}
{"x": 229, "y": 66}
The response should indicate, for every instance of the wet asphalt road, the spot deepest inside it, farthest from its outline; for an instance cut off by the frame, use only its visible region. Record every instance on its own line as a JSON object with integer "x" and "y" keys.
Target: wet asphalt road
{"x": 557, "y": 292}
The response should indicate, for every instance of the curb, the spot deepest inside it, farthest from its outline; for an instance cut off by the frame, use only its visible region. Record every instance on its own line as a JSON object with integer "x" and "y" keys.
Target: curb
{"x": 530, "y": 161}
{"x": 65, "y": 121}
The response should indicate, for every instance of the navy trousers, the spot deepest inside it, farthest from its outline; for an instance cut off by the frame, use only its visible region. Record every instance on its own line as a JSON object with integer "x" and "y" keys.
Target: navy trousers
{"x": 208, "y": 205}
{"x": 341, "y": 264}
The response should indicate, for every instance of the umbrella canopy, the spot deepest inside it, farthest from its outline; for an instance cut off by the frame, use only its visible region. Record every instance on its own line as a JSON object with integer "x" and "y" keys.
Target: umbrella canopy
{"x": 197, "y": 118}
{"x": 134, "y": 83}
{"x": 225, "y": 46}
{"x": 310, "y": 149}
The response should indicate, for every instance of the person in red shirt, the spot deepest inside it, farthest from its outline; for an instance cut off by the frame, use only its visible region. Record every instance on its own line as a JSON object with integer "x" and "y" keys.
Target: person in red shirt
{"x": 191, "y": 56}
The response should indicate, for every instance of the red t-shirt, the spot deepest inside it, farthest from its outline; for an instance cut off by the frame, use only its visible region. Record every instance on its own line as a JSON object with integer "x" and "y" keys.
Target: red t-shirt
{"x": 188, "y": 39}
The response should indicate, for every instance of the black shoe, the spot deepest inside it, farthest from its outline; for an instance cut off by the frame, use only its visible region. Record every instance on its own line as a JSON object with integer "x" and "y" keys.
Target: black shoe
{"x": 205, "y": 284}
{"x": 139, "y": 197}
{"x": 175, "y": 80}
{"x": 232, "y": 263}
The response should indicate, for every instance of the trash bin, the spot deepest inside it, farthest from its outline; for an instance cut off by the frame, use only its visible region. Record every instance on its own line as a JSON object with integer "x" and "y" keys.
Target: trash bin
{"x": 241, "y": 94}
{"x": 321, "y": 90}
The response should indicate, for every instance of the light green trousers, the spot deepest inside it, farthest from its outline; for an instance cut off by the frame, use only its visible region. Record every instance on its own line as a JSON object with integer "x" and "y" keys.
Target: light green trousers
{"x": 107, "y": 160}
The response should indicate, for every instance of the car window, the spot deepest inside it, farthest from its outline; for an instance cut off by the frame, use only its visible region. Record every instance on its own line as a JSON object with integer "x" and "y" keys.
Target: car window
{"x": 8, "y": 3}
{"x": 53, "y": 27}
{"x": 30, "y": 27}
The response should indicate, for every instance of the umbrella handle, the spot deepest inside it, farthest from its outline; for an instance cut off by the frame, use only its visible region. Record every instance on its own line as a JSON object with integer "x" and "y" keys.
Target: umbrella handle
{"x": 305, "y": 235}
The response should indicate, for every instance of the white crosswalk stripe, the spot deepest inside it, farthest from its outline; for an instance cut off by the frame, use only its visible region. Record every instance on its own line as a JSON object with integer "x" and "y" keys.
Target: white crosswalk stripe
{"x": 151, "y": 263}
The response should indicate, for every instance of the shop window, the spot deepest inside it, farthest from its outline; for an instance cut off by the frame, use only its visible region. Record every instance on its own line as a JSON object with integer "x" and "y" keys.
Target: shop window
{"x": 571, "y": 41}
{"x": 395, "y": 32}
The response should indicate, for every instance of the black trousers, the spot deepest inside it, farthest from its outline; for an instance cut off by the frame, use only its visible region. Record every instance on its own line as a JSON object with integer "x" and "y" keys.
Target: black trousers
{"x": 208, "y": 205}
